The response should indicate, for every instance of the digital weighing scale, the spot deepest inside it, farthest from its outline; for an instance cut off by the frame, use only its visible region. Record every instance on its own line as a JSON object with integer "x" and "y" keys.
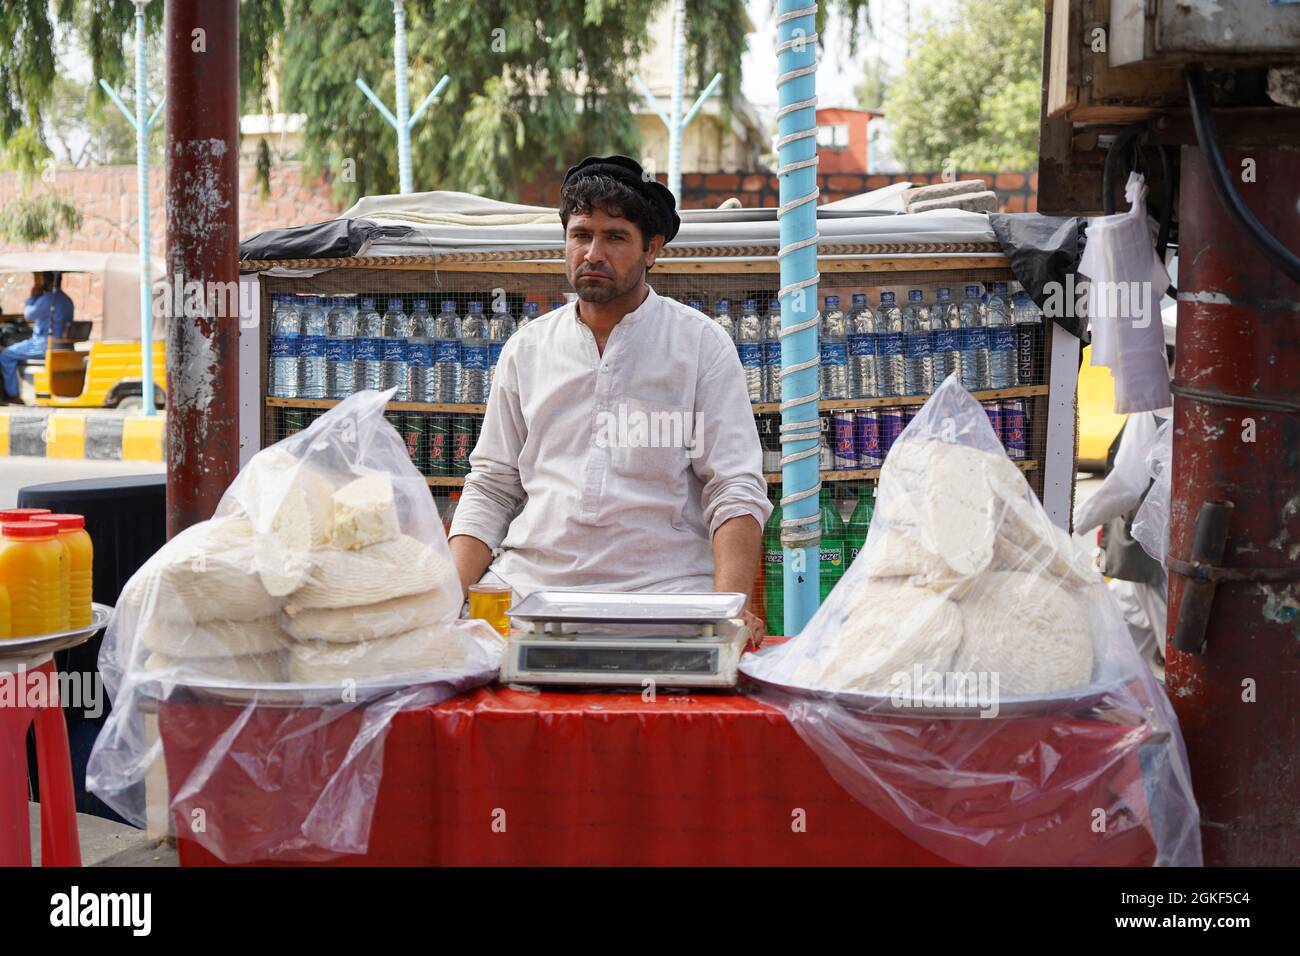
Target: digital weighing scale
{"x": 688, "y": 639}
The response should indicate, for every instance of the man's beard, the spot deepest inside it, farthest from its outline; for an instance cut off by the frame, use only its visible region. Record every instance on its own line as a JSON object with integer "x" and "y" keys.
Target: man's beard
{"x": 602, "y": 292}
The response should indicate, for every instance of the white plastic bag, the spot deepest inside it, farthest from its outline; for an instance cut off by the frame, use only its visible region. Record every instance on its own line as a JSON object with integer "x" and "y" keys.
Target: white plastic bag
{"x": 1151, "y": 523}
{"x": 277, "y": 641}
{"x": 972, "y": 682}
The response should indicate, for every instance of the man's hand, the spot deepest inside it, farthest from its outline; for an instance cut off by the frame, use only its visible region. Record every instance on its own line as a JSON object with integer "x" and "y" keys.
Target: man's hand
{"x": 757, "y": 629}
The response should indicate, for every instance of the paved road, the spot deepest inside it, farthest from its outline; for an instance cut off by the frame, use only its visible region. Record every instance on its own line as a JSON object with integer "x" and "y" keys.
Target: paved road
{"x": 17, "y": 472}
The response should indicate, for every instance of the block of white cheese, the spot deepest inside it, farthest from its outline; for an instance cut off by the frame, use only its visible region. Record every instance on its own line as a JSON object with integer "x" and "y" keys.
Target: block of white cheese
{"x": 247, "y": 669}
{"x": 364, "y": 513}
{"x": 441, "y": 647}
{"x": 380, "y": 572}
{"x": 213, "y": 638}
{"x": 368, "y": 622}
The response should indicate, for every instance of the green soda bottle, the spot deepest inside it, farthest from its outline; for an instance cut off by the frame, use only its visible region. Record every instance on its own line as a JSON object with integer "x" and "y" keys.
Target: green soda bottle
{"x": 856, "y": 536}
{"x": 832, "y": 546}
{"x": 774, "y": 571}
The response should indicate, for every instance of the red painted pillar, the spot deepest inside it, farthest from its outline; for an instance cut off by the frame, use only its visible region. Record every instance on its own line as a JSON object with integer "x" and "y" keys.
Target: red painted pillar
{"x": 202, "y": 161}
{"x": 1238, "y": 342}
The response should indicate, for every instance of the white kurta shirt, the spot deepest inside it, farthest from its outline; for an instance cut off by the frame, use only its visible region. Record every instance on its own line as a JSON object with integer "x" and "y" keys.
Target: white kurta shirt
{"x": 613, "y": 471}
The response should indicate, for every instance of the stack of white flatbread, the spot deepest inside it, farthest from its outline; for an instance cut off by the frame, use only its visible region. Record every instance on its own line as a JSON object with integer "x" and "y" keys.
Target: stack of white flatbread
{"x": 962, "y": 572}
{"x": 301, "y": 577}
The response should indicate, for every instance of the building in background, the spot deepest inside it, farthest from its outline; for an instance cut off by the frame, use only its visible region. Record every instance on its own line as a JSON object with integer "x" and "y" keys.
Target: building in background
{"x": 843, "y": 140}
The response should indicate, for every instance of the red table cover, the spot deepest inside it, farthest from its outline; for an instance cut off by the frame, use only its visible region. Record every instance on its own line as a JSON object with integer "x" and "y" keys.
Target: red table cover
{"x": 576, "y": 779}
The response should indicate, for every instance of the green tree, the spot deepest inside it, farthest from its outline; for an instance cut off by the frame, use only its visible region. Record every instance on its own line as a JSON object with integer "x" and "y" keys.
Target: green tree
{"x": 512, "y": 108}
{"x": 969, "y": 93}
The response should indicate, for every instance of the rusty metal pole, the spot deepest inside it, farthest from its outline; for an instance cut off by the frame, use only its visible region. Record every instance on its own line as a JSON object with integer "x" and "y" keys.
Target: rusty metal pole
{"x": 202, "y": 48}
{"x": 1237, "y": 440}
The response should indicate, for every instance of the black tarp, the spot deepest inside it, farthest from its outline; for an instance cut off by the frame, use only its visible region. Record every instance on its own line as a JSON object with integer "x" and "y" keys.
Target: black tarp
{"x": 1042, "y": 251}
{"x": 336, "y": 239}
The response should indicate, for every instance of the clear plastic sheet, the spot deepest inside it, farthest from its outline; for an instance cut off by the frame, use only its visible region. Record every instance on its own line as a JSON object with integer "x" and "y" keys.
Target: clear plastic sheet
{"x": 971, "y": 681}
{"x": 274, "y": 643}
{"x": 1151, "y": 523}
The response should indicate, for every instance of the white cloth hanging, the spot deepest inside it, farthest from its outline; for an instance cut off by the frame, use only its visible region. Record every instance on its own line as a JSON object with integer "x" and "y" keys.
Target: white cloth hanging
{"x": 1126, "y": 282}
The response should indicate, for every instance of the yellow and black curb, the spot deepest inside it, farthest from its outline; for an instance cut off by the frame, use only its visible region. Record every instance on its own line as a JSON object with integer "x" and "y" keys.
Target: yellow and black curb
{"x": 71, "y": 436}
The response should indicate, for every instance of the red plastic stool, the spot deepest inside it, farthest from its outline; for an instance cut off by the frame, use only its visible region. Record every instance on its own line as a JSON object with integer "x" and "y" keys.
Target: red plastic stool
{"x": 59, "y": 843}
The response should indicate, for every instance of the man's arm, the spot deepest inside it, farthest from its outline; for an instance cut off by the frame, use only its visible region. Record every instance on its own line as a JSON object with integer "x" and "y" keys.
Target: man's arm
{"x": 737, "y": 547}
{"x": 493, "y": 492}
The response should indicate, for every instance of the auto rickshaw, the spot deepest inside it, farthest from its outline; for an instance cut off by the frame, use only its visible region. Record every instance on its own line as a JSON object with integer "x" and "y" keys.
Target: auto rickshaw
{"x": 84, "y": 369}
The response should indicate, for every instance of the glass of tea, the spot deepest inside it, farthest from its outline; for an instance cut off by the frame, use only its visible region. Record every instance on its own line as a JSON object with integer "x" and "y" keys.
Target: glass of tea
{"x": 490, "y": 602}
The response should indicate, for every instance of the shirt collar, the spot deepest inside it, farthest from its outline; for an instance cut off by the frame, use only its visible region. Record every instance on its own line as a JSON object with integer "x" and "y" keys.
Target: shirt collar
{"x": 647, "y": 307}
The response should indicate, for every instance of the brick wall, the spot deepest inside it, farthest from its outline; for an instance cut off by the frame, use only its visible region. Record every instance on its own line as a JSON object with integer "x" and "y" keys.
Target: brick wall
{"x": 107, "y": 198}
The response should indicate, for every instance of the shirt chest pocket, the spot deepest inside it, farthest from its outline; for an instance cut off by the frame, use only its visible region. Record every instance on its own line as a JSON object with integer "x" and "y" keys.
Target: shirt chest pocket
{"x": 650, "y": 441}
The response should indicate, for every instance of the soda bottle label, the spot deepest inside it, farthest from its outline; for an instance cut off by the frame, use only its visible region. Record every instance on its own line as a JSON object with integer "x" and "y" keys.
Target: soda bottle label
{"x": 891, "y": 343}
{"x": 446, "y": 352}
{"x": 476, "y": 357}
{"x": 972, "y": 340}
{"x": 918, "y": 346}
{"x": 860, "y": 344}
{"x": 339, "y": 350}
{"x": 774, "y": 557}
{"x": 284, "y": 345}
{"x": 833, "y": 353}
{"x": 772, "y": 353}
{"x": 749, "y": 354}
{"x": 854, "y": 551}
{"x": 313, "y": 346}
{"x": 367, "y": 350}
{"x": 834, "y": 557}
{"x": 945, "y": 340}
{"x": 394, "y": 350}
{"x": 419, "y": 354}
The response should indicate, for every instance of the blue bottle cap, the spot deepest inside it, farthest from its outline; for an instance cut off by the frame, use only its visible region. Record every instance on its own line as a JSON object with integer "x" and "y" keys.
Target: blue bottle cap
{"x": 368, "y": 302}
{"x": 695, "y": 304}
{"x": 476, "y": 306}
{"x": 449, "y": 305}
{"x": 859, "y": 298}
{"x": 832, "y": 302}
{"x": 421, "y": 305}
{"x": 724, "y": 305}
{"x": 749, "y": 305}
{"x": 1000, "y": 288}
{"x": 972, "y": 292}
{"x": 915, "y": 295}
{"x": 774, "y": 305}
{"x": 943, "y": 293}
{"x": 394, "y": 304}
{"x": 886, "y": 298}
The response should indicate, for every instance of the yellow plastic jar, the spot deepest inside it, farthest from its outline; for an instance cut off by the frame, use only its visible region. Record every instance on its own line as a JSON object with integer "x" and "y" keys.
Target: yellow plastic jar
{"x": 80, "y": 552}
{"x": 33, "y": 565}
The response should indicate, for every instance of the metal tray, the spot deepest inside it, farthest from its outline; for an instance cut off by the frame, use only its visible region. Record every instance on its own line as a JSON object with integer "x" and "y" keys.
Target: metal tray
{"x": 591, "y": 607}
{"x": 19, "y": 648}
{"x": 298, "y": 695}
{"x": 1078, "y": 702}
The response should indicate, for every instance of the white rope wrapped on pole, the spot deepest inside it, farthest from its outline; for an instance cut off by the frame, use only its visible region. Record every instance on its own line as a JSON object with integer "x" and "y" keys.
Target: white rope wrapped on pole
{"x": 800, "y": 431}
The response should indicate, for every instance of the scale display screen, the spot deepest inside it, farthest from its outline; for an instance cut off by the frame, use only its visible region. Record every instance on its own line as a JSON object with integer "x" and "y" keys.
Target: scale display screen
{"x": 596, "y": 660}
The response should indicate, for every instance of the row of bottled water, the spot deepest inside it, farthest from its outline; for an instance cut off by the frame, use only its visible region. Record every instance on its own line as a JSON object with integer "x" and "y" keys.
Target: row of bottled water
{"x": 331, "y": 346}
{"x": 986, "y": 336}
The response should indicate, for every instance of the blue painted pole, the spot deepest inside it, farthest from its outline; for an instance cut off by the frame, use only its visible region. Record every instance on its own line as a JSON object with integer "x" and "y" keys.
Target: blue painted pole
{"x": 796, "y": 48}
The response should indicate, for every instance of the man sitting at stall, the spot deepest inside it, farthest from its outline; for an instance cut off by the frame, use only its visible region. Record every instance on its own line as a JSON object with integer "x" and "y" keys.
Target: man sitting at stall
{"x": 619, "y": 450}
{"x": 49, "y": 311}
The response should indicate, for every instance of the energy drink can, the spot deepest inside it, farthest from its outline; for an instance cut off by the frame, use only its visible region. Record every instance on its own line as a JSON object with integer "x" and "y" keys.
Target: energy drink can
{"x": 769, "y": 440}
{"x": 293, "y": 420}
{"x": 994, "y": 412}
{"x": 1015, "y": 429}
{"x": 415, "y": 429}
{"x": 845, "y": 457}
{"x": 438, "y": 448}
{"x": 462, "y": 443}
{"x": 866, "y": 439}
{"x": 891, "y": 426}
{"x": 826, "y": 455}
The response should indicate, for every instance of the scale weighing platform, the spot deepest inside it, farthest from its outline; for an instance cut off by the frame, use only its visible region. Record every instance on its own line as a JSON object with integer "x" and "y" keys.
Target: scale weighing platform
{"x": 687, "y": 639}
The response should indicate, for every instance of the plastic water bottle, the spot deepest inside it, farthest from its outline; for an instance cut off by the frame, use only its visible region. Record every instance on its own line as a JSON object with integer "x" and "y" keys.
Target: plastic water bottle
{"x": 446, "y": 354}
{"x": 312, "y": 348}
{"x": 749, "y": 342}
{"x": 419, "y": 354}
{"x": 369, "y": 349}
{"x": 474, "y": 356}
{"x": 945, "y": 331}
{"x": 835, "y": 351}
{"x": 889, "y": 346}
{"x": 722, "y": 315}
{"x": 395, "y": 330}
{"x": 918, "y": 365}
{"x": 1002, "y": 338}
{"x": 860, "y": 328}
{"x": 530, "y": 312}
{"x": 772, "y": 351}
{"x": 500, "y": 327}
{"x": 973, "y": 341}
{"x": 286, "y": 348}
{"x": 340, "y": 348}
